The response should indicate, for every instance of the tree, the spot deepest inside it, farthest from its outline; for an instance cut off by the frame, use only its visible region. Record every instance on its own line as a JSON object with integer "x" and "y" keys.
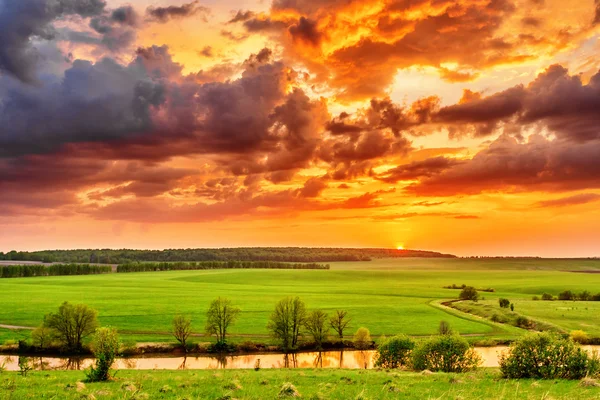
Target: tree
{"x": 445, "y": 328}
{"x": 105, "y": 346}
{"x": 339, "y": 321}
{"x": 447, "y": 353}
{"x": 286, "y": 322}
{"x": 547, "y": 297}
{"x": 182, "y": 329}
{"x": 316, "y": 325}
{"x": 504, "y": 303}
{"x": 73, "y": 323}
{"x": 220, "y": 316}
{"x": 469, "y": 293}
{"x": 43, "y": 336}
{"x": 566, "y": 295}
{"x": 362, "y": 339}
{"x": 394, "y": 352}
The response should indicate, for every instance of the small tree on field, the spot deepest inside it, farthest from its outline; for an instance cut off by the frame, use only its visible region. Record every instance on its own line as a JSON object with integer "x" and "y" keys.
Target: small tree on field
{"x": 220, "y": 316}
{"x": 444, "y": 328}
{"x": 73, "y": 323}
{"x": 339, "y": 321}
{"x": 105, "y": 346}
{"x": 362, "y": 339}
{"x": 316, "y": 325}
{"x": 469, "y": 293}
{"x": 43, "y": 336}
{"x": 286, "y": 322}
{"x": 504, "y": 303}
{"x": 512, "y": 307}
{"x": 182, "y": 329}
{"x": 547, "y": 297}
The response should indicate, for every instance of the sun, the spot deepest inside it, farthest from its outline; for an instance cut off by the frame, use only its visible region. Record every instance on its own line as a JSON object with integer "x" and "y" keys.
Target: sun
{"x": 400, "y": 247}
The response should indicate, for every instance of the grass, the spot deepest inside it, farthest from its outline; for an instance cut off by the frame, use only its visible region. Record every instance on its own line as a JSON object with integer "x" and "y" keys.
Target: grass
{"x": 268, "y": 384}
{"x": 387, "y": 296}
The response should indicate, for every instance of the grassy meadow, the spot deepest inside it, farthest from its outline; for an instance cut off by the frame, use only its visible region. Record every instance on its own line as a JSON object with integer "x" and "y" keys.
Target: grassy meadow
{"x": 267, "y": 384}
{"x": 388, "y": 296}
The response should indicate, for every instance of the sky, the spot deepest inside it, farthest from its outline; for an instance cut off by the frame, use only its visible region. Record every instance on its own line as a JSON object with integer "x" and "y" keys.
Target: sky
{"x": 469, "y": 127}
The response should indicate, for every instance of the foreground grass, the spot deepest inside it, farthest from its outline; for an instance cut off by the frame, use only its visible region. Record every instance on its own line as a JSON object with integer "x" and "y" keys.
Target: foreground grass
{"x": 266, "y": 384}
{"x": 387, "y": 296}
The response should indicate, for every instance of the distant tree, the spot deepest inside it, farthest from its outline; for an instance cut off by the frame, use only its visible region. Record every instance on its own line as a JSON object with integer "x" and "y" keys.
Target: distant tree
{"x": 469, "y": 293}
{"x": 504, "y": 303}
{"x": 286, "y": 322}
{"x": 362, "y": 338}
{"x": 444, "y": 328}
{"x": 547, "y": 297}
{"x": 585, "y": 296}
{"x": 512, "y": 307}
{"x": 73, "y": 323}
{"x": 316, "y": 325}
{"x": 566, "y": 295}
{"x": 220, "y": 316}
{"x": 182, "y": 329}
{"x": 339, "y": 321}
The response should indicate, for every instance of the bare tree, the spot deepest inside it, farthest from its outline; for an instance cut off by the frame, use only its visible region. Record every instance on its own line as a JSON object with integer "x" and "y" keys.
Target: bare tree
{"x": 220, "y": 316}
{"x": 339, "y": 321}
{"x": 286, "y": 322}
{"x": 316, "y": 325}
{"x": 182, "y": 329}
{"x": 73, "y": 323}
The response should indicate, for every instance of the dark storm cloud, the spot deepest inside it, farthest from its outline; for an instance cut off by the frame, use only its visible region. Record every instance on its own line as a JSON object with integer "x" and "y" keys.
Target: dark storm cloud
{"x": 165, "y": 14}
{"x": 24, "y": 20}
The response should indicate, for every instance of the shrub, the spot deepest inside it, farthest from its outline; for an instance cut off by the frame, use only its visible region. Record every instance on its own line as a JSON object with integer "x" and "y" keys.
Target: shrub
{"x": 445, "y": 353}
{"x": 469, "y": 293}
{"x": 566, "y": 295}
{"x": 504, "y": 303}
{"x": 105, "y": 346}
{"x": 547, "y": 297}
{"x": 498, "y": 318}
{"x": 579, "y": 336}
{"x": 362, "y": 339}
{"x": 522, "y": 322}
{"x": 585, "y": 296}
{"x": 394, "y": 352}
{"x": 24, "y": 365}
{"x": 512, "y": 307}
{"x": 444, "y": 328}
{"x": 535, "y": 298}
{"x": 545, "y": 356}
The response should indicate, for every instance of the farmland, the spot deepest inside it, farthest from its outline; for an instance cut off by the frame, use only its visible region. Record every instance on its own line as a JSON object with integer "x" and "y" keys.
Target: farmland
{"x": 388, "y": 296}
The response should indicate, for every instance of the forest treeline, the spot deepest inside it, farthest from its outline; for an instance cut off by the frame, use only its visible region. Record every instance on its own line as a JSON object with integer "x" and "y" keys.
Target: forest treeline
{"x": 181, "y": 266}
{"x": 282, "y": 254}
{"x": 21, "y": 271}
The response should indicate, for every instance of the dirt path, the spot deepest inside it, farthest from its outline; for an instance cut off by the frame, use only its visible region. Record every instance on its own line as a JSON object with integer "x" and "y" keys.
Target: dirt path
{"x": 16, "y": 327}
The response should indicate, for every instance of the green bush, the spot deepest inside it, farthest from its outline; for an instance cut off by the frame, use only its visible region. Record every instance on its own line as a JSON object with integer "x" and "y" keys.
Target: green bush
{"x": 445, "y": 353}
{"x": 546, "y": 356}
{"x": 469, "y": 293}
{"x": 445, "y": 328}
{"x": 105, "y": 346}
{"x": 566, "y": 295}
{"x": 547, "y": 297}
{"x": 504, "y": 303}
{"x": 394, "y": 352}
{"x": 522, "y": 322}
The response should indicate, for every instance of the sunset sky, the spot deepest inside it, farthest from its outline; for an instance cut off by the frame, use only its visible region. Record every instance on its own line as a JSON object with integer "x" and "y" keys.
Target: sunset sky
{"x": 467, "y": 127}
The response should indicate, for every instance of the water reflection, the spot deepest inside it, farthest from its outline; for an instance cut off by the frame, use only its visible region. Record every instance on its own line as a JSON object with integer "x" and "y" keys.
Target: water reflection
{"x": 351, "y": 359}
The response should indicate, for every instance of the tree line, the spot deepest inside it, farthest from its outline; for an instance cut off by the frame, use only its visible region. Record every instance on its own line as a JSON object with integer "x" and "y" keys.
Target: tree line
{"x": 21, "y": 271}
{"x": 282, "y": 254}
{"x": 176, "y": 266}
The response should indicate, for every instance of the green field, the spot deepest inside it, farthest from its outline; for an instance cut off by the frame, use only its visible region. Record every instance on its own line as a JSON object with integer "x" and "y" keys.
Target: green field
{"x": 388, "y": 296}
{"x": 266, "y": 384}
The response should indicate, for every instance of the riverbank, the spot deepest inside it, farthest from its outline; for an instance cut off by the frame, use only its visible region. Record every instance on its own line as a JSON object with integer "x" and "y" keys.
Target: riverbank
{"x": 273, "y": 384}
